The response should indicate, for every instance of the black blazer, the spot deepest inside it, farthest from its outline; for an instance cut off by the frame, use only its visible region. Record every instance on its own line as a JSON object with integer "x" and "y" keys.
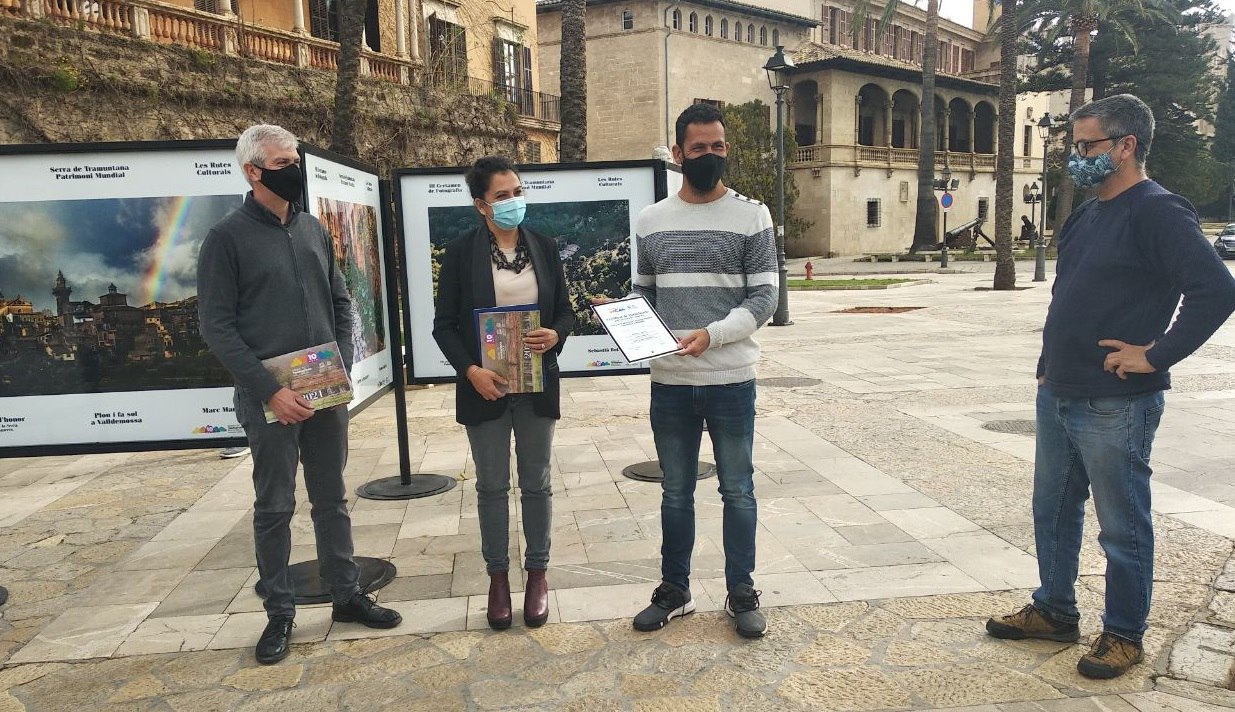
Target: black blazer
{"x": 465, "y": 282}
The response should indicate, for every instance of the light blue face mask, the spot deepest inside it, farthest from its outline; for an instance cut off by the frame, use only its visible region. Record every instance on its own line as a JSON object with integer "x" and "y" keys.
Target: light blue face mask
{"x": 1090, "y": 172}
{"x": 508, "y": 214}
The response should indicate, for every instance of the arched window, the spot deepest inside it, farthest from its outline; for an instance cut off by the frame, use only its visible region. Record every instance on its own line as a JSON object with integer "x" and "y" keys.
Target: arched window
{"x": 707, "y": 25}
{"x": 775, "y": 38}
{"x": 763, "y": 36}
{"x": 694, "y": 22}
{"x": 677, "y": 19}
{"x": 724, "y": 28}
{"x": 737, "y": 32}
{"x": 750, "y": 33}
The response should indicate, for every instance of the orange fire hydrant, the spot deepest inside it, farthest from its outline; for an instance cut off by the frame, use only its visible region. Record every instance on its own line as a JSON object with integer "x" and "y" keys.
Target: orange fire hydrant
{"x": 810, "y": 269}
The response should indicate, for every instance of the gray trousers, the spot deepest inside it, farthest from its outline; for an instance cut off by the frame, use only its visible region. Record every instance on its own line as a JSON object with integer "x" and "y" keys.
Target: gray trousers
{"x": 490, "y": 443}
{"x": 320, "y": 444}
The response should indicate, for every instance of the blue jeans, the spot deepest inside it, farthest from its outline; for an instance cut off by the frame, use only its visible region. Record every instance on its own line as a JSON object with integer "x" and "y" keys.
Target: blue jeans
{"x": 678, "y": 416}
{"x": 1101, "y": 444}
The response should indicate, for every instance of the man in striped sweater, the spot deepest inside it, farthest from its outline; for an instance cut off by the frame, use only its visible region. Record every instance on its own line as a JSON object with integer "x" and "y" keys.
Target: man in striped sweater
{"x": 707, "y": 263}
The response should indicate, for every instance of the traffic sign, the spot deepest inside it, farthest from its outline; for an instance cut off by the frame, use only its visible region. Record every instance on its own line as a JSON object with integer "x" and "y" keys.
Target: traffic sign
{"x": 945, "y": 201}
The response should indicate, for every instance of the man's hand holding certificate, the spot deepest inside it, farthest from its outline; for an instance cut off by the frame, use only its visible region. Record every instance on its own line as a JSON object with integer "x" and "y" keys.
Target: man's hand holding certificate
{"x": 637, "y": 329}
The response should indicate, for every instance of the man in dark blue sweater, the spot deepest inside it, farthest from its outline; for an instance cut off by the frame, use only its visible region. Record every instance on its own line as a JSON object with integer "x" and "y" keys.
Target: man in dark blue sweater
{"x": 1126, "y": 258}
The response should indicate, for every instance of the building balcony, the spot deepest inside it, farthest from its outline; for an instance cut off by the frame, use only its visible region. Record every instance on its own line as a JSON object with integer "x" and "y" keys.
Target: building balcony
{"x": 174, "y": 25}
{"x": 859, "y": 157}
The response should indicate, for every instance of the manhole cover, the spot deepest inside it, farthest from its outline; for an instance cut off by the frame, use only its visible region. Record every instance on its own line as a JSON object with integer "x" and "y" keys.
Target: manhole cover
{"x": 788, "y": 382}
{"x": 875, "y": 310}
{"x": 1015, "y": 427}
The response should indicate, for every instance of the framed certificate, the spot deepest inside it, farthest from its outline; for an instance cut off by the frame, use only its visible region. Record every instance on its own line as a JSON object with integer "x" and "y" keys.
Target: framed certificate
{"x": 637, "y": 329}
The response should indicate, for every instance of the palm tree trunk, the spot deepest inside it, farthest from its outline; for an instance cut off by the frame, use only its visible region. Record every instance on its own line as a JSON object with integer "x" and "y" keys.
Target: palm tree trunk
{"x": 1005, "y": 265}
{"x": 1080, "y": 77}
{"x": 574, "y": 81}
{"x": 924, "y": 232}
{"x": 351, "y": 34}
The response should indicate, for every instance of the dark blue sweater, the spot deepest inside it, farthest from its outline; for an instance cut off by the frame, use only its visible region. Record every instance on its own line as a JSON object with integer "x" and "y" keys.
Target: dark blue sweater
{"x": 1123, "y": 265}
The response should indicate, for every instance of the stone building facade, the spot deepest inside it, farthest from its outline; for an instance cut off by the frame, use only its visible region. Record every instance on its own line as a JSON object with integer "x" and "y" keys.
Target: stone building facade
{"x": 484, "y": 48}
{"x": 853, "y": 105}
{"x": 648, "y": 60}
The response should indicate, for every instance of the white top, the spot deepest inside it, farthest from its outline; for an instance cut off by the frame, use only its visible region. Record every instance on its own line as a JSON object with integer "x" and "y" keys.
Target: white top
{"x": 708, "y": 266}
{"x": 510, "y": 288}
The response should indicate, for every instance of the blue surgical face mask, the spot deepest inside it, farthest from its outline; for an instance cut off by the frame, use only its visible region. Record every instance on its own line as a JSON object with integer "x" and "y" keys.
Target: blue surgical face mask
{"x": 1090, "y": 172}
{"x": 508, "y": 214}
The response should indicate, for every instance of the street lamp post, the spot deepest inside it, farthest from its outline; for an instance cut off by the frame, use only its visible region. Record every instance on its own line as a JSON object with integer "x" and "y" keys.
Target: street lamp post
{"x": 947, "y": 184}
{"x": 778, "y": 68}
{"x": 1039, "y": 257}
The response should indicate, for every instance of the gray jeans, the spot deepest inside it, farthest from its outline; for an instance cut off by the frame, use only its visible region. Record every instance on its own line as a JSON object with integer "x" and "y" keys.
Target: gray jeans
{"x": 320, "y": 444}
{"x": 533, "y": 452}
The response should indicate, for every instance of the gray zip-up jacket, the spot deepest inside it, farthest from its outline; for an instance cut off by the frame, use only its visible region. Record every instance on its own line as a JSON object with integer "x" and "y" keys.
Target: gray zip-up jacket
{"x": 265, "y": 289}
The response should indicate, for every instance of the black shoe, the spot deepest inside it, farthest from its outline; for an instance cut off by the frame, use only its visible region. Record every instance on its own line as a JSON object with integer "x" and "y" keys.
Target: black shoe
{"x": 272, "y": 646}
{"x": 668, "y": 602}
{"x": 363, "y": 609}
{"x": 4, "y": 595}
{"x": 742, "y": 605}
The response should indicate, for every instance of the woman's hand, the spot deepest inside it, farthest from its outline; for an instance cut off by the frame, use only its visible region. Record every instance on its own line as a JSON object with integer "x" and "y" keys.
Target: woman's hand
{"x": 488, "y": 384}
{"x": 540, "y": 340}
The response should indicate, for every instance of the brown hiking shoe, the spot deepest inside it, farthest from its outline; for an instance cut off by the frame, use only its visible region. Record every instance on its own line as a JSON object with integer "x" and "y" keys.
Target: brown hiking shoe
{"x": 1029, "y": 622}
{"x": 1110, "y": 656}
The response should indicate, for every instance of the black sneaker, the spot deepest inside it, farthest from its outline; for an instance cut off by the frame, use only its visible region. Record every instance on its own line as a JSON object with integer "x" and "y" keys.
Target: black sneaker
{"x": 273, "y": 645}
{"x": 363, "y": 609}
{"x": 742, "y": 605}
{"x": 668, "y": 602}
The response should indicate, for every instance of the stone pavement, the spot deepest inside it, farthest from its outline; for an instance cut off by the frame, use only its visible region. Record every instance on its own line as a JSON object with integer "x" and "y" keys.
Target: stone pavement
{"x": 894, "y": 473}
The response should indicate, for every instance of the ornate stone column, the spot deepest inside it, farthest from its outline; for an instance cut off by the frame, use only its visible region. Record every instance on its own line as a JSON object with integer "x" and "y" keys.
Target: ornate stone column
{"x": 819, "y": 119}
{"x": 401, "y": 29}
{"x": 297, "y": 16}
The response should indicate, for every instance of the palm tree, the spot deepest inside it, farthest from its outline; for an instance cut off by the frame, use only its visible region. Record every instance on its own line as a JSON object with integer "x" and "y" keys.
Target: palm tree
{"x": 1080, "y": 19}
{"x": 1005, "y": 265}
{"x": 574, "y": 81}
{"x": 351, "y": 35}
{"x": 924, "y": 230}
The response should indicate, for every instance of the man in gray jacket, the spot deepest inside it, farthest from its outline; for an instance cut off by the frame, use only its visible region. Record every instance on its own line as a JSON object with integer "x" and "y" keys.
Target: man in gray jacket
{"x": 268, "y": 285}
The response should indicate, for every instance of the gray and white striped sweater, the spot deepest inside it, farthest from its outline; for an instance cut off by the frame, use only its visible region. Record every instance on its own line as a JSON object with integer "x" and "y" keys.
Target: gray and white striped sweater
{"x": 708, "y": 265}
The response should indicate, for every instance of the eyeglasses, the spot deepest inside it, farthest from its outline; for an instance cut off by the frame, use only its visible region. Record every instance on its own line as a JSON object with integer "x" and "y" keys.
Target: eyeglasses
{"x": 1082, "y": 147}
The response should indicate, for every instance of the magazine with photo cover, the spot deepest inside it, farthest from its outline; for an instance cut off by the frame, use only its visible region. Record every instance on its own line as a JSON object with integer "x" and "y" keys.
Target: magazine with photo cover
{"x": 317, "y": 373}
{"x": 501, "y": 331}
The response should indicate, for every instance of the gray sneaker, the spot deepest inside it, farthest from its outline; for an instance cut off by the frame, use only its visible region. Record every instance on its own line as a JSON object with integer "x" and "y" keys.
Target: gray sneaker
{"x": 228, "y": 453}
{"x": 742, "y": 605}
{"x": 668, "y": 602}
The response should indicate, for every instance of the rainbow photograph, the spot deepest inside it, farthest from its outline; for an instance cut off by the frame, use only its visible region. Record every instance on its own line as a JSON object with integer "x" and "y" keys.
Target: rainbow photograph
{"x": 101, "y": 295}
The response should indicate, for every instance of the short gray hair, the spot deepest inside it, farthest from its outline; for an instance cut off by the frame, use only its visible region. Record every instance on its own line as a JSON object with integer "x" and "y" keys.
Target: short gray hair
{"x": 1122, "y": 115}
{"x": 251, "y": 146}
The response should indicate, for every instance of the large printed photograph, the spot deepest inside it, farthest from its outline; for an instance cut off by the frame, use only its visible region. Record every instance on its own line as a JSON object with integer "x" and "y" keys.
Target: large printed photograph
{"x": 100, "y": 295}
{"x": 593, "y": 242}
{"x": 353, "y": 229}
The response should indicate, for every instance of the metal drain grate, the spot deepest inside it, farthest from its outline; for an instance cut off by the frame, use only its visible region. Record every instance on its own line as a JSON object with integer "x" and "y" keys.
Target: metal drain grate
{"x": 1015, "y": 427}
{"x": 875, "y": 310}
{"x": 788, "y": 382}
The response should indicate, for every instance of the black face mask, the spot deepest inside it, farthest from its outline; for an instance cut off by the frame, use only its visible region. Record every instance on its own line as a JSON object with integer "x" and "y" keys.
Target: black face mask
{"x": 704, "y": 172}
{"x": 286, "y": 182}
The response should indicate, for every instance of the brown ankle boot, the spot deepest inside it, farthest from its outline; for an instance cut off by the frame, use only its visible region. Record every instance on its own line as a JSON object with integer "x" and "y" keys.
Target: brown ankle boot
{"x": 536, "y": 599}
{"x": 499, "y": 613}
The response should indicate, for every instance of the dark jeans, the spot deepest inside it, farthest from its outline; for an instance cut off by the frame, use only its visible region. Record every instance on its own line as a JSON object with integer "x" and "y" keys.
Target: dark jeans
{"x": 490, "y": 443}
{"x": 1101, "y": 444}
{"x": 678, "y": 416}
{"x": 320, "y": 444}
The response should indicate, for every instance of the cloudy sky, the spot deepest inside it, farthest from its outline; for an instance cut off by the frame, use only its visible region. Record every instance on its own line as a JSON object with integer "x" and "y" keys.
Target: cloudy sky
{"x": 98, "y": 242}
{"x": 962, "y": 10}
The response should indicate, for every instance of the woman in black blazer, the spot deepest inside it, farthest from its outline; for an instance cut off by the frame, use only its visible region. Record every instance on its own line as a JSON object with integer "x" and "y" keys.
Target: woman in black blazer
{"x": 501, "y": 264}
